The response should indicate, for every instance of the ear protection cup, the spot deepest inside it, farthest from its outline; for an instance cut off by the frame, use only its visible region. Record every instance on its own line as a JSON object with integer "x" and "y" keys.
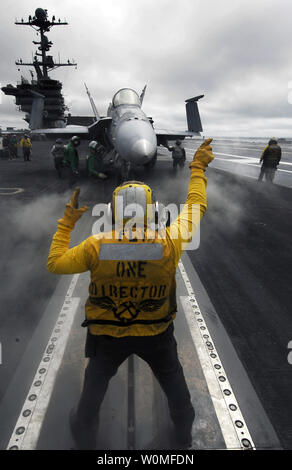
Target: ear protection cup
{"x": 162, "y": 216}
{"x": 156, "y": 213}
{"x": 109, "y": 213}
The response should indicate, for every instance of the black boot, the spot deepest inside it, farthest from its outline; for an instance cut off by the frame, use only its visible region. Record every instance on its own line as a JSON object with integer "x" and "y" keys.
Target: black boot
{"x": 183, "y": 437}
{"x": 84, "y": 434}
{"x": 183, "y": 431}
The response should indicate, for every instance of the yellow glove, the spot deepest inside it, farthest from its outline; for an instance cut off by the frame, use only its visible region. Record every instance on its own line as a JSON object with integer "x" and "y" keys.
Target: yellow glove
{"x": 72, "y": 213}
{"x": 203, "y": 156}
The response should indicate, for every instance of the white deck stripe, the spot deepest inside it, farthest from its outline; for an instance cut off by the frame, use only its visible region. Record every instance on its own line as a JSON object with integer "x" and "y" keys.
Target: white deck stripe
{"x": 234, "y": 429}
{"x": 246, "y": 157}
{"x": 30, "y": 421}
{"x": 251, "y": 159}
{"x": 248, "y": 163}
{"x": 251, "y": 148}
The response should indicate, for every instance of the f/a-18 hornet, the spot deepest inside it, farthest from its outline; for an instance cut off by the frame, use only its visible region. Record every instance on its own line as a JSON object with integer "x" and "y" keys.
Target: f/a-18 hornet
{"x": 127, "y": 133}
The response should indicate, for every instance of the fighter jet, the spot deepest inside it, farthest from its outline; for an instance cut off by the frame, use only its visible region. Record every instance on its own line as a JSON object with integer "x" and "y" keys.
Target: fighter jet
{"x": 127, "y": 132}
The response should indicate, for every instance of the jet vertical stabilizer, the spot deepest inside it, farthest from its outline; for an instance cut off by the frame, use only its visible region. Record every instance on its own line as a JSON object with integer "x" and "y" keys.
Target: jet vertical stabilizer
{"x": 143, "y": 94}
{"x": 193, "y": 115}
{"x": 93, "y": 106}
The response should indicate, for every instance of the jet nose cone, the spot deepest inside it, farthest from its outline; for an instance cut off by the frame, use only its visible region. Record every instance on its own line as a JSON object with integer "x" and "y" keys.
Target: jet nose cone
{"x": 136, "y": 141}
{"x": 143, "y": 150}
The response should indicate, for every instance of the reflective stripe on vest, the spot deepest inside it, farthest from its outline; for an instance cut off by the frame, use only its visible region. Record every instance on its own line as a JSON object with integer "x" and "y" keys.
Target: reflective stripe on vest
{"x": 130, "y": 251}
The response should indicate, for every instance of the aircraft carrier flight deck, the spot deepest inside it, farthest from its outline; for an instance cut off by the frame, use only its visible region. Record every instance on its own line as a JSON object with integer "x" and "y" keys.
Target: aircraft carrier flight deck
{"x": 233, "y": 327}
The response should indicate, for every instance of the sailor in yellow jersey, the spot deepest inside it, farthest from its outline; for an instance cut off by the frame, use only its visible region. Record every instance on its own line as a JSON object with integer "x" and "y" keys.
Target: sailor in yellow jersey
{"x": 132, "y": 295}
{"x": 26, "y": 146}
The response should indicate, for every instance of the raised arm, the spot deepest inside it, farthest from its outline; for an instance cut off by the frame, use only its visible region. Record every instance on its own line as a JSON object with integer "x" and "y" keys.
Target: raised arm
{"x": 183, "y": 228}
{"x": 169, "y": 147}
{"x": 61, "y": 259}
{"x": 53, "y": 150}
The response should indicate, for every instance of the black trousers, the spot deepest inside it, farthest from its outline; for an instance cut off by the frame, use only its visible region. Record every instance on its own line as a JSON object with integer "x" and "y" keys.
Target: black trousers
{"x": 269, "y": 173}
{"x": 69, "y": 175}
{"x": 26, "y": 154}
{"x": 59, "y": 165}
{"x": 13, "y": 151}
{"x": 178, "y": 162}
{"x": 160, "y": 353}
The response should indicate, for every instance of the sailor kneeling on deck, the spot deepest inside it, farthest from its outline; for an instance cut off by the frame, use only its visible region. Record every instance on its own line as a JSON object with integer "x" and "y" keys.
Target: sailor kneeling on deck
{"x": 132, "y": 296}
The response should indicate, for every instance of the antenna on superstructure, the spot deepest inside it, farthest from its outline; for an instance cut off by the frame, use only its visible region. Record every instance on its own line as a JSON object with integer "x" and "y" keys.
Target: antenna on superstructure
{"x": 42, "y": 25}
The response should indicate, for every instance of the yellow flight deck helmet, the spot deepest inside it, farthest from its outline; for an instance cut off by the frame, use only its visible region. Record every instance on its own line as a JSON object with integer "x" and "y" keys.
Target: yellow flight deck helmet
{"x": 133, "y": 195}
{"x": 138, "y": 197}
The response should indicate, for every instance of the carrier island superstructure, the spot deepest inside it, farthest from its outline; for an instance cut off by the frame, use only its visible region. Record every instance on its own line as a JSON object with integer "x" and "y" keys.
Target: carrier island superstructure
{"x": 40, "y": 97}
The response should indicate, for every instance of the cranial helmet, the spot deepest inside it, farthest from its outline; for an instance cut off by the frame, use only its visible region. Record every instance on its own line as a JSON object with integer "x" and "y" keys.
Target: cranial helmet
{"x": 138, "y": 197}
{"x": 93, "y": 144}
{"x": 75, "y": 139}
{"x": 132, "y": 196}
{"x": 273, "y": 141}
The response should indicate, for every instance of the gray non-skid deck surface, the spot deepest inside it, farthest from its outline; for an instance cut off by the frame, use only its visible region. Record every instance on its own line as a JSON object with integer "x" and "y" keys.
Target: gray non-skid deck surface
{"x": 244, "y": 251}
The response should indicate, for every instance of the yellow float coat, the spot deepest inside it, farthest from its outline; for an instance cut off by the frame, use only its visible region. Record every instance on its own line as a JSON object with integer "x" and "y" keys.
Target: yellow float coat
{"x": 131, "y": 298}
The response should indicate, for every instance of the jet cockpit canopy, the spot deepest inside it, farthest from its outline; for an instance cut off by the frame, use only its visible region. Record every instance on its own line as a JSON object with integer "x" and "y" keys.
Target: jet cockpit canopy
{"x": 126, "y": 96}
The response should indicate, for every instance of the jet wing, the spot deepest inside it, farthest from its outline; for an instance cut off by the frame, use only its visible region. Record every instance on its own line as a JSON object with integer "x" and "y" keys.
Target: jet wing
{"x": 97, "y": 130}
{"x": 68, "y": 130}
{"x": 164, "y": 134}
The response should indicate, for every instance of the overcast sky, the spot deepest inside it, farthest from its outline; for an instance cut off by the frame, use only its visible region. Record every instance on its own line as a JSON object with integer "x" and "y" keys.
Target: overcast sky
{"x": 236, "y": 52}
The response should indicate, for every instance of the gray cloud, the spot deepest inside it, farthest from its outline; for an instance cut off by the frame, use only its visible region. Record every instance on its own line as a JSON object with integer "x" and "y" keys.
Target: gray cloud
{"x": 237, "y": 53}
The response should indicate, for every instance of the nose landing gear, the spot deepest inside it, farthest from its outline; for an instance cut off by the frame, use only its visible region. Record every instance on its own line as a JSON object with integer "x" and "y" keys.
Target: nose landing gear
{"x": 123, "y": 171}
{"x": 152, "y": 163}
